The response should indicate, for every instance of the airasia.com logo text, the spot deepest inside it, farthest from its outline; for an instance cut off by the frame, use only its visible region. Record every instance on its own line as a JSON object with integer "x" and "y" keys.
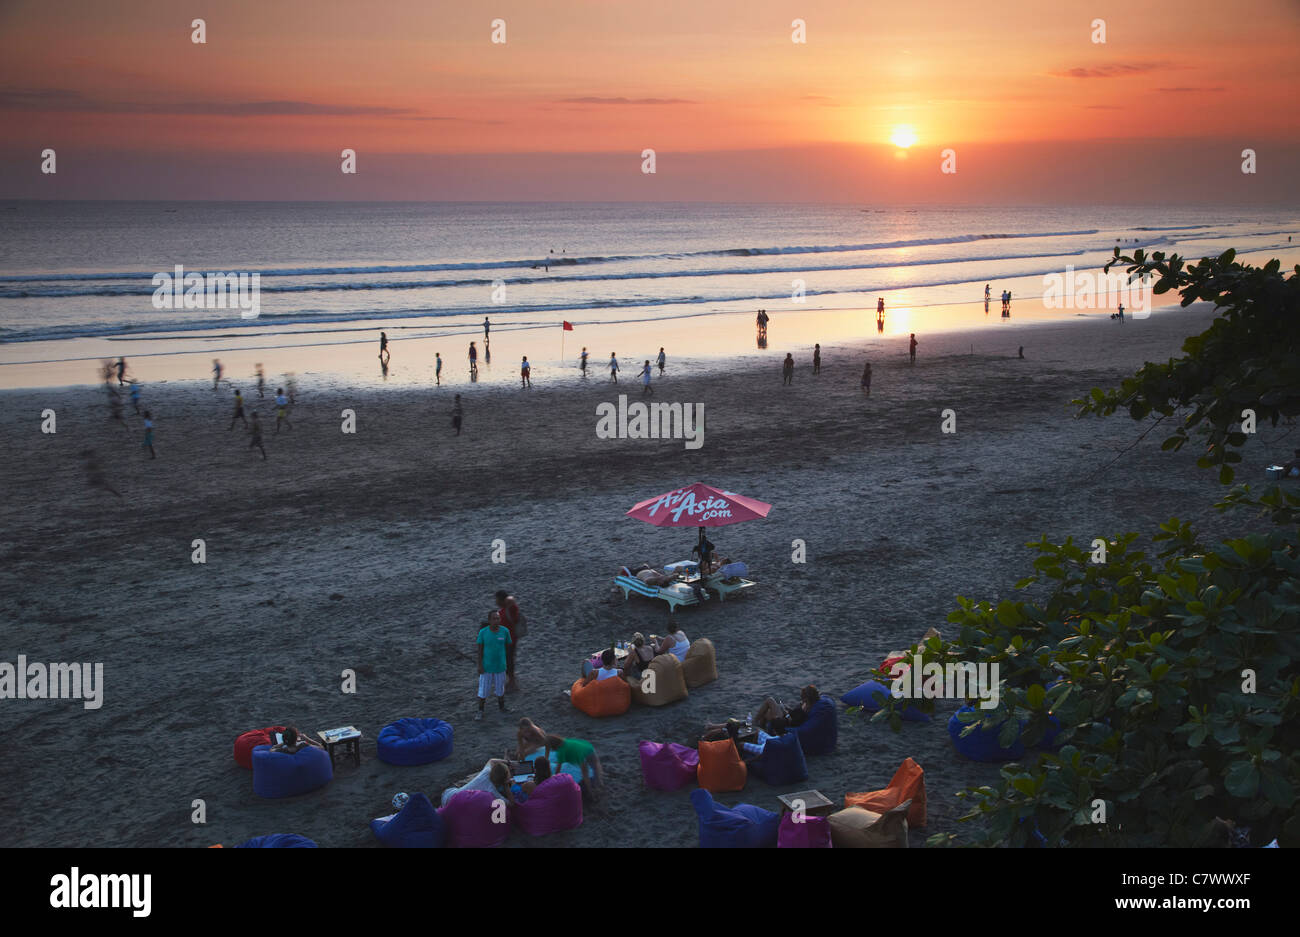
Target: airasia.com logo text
{"x": 681, "y": 504}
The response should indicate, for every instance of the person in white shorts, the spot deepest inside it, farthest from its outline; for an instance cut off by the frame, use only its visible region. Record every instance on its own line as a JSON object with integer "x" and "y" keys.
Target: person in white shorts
{"x": 492, "y": 641}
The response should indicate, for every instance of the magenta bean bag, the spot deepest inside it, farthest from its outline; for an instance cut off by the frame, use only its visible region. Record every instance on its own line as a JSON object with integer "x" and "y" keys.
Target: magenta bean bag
{"x": 668, "y": 767}
{"x": 812, "y": 833}
{"x": 468, "y": 820}
{"x": 554, "y": 805}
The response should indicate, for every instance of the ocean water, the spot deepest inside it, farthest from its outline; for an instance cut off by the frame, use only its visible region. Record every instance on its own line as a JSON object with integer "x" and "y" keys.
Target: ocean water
{"x": 76, "y": 277}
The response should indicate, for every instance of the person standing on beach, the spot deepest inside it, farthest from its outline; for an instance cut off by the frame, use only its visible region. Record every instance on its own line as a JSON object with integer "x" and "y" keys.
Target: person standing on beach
{"x": 384, "y": 354}
{"x": 787, "y": 369}
{"x": 255, "y": 431}
{"x": 121, "y": 371}
{"x": 261, "y": 381}
{"x": 509, "y": 614}
{"x": 216, "y": 373}
{"x": 880, "y": 308}
{"x": 613, "y": 368}
{"x": 456, "y": 414}
{"x": 437, "y": 368}
{"x": 582, "y": 361}
{"x": 487, "y": 326}
{"x": 911, "y": 349}
{"x": 281, "y": 412}
{"x": 492, "y": 641}
{"x": 866, "y": 378}
{"x": 148, "y": 434}
{"x": 987, "y": 292}
{"x": 646, "y": 389}
{"x": 239, "y": 410}
{"x": 473, "y": 360}
{"x": 663, "y": 359}
{"x": 525, "y": 373}
{"x": 817, "y": 359}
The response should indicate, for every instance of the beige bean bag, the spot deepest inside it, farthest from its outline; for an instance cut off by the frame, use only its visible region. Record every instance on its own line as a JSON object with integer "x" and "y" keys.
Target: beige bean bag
{"x": 661, "y": 683}
{"x": 701, "y": 664}
{"x": 859, "y": 828}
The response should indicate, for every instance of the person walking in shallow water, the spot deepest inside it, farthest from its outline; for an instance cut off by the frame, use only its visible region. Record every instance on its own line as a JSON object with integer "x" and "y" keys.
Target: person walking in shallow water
{"x": 817, "y": 359}
{"x": 582, "y": 361}
{"x": 911, "y": 349}
{"x": 384, "y": 354}
{"x": 663, "y": 360}
{"x": 646, "y": 389}
{"x": 613, "y": 368}
{"x": 787, "y": 369}
{"x": 473, "y": 360}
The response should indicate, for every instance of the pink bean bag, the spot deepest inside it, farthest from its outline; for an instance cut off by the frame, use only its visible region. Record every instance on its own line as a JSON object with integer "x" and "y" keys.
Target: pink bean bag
{"x": 468, "y": 818}
{"x": 668, "y": 767}
{"x": 554, "y": 805}
{"x": 812, "y": 833}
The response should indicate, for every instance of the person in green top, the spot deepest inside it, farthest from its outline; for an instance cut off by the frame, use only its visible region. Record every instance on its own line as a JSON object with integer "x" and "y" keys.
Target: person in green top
{"x": 492, "y": 641}
{"x": 576, "y": 752}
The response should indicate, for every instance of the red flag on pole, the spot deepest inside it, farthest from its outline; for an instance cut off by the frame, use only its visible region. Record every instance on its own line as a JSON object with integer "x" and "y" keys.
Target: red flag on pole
{"x": 568, "y": 326}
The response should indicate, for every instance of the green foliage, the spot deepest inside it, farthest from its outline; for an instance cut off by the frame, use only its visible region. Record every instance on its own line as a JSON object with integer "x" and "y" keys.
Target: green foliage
{"x": 1249, "y": 358}
{"x": 1144, "y": 665}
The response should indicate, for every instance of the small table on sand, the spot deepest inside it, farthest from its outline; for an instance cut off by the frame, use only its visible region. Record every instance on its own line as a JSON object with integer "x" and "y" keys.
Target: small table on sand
{"x": 348, "y": 736}
{"x": 746, "y": 733}
{"x": 815, "y": 803}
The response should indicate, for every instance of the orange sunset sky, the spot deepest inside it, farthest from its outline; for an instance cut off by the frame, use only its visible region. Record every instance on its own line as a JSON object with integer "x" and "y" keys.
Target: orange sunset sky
{"x": 1035, "y": 110}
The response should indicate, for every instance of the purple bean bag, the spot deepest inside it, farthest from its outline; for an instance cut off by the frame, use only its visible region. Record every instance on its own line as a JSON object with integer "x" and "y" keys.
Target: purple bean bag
{"x": 279, "y": 774}
{"x": 468, "y": 818}
{"x": 820, "y": 731}
{"x": 743, "y": 826}
{"x": 416, "y": 826}
{"x": 554, "y": 805}
{"x": 278, "y": 841}
{"x": 668, "y": 767}
{"x": 812, "y": 833}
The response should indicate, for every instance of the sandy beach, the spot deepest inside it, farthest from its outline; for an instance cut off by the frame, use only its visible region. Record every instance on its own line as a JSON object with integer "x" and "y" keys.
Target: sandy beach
{"x": 371, "y": 551}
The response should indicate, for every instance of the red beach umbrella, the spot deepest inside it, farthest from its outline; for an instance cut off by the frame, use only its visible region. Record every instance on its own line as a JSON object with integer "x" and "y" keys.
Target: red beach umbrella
{"x": 699, "y": 505}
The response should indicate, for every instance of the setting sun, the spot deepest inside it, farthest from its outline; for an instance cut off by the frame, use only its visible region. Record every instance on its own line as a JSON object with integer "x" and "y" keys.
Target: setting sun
{"x": 903, "y": 137}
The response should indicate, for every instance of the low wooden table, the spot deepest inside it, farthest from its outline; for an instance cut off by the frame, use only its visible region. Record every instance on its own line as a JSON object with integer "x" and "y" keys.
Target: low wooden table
{"x": 815, "y": 803}
{"x": 746, "y": 733}
{"x": 347, "y": 736}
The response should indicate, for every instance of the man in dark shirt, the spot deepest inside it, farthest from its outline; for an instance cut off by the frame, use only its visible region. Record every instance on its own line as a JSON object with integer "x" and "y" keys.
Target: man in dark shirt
{"x": 508, "y": 609}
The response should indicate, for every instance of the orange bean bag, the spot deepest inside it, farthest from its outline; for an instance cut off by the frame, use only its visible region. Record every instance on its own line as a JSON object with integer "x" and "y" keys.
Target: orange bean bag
{"x": 701, "y": 664}
{"x": 609, "y": 697}
{"x": 721, "y": 768}
{"x": 666, "y": 681}
{"x": 908, "y": 783}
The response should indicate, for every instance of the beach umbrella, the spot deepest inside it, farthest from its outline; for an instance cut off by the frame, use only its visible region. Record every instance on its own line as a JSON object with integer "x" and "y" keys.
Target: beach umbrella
{"x": 699, "y": 505}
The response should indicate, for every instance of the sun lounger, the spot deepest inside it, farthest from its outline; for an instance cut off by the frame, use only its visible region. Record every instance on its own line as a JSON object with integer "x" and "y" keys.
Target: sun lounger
{"x": 675, "y": 593}
{"x": 726, "y": 586}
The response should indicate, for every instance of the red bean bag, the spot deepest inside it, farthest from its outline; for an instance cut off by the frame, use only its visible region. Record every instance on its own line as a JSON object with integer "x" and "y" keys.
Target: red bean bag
{"x": 609, "y": 697}
{"x": 721, "y": 768}
{"x": 245, "y": 744}
{"x": 554, "y": 805}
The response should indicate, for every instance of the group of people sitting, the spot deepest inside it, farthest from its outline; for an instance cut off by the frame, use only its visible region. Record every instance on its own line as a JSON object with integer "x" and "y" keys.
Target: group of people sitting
{"x": 772, "y": 720}
{"x": 534, "y": 746}
{"x": 640, "y": 654}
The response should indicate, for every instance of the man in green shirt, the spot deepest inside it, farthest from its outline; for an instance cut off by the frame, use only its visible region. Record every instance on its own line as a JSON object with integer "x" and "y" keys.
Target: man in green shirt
{"x": 576, "y": 752}
{"x": 492, "y": 643}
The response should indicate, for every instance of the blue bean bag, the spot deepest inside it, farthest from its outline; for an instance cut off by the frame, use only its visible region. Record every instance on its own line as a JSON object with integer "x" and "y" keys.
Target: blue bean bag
{"x": 416, "y": 826}
{"x": 277, "y": 774}
{"x": 982, "y": 743}
{"x": 414, "y": 741}
{"x": 740, "y": 827}
{"x": 865, "y": 696}
{"x": 278, "y": 841}
{"x": 820, "y": 729}
{"x": 782, "y": 761}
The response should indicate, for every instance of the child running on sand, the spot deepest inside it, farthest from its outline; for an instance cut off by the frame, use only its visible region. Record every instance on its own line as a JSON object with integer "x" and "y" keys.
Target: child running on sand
{"x": 135, "y": 396}
{"x": 492, "y": 642}
{"x": 148, "y": 434}
{"x": 256, "y": 431}
{"x": 239, "y": 410}
{"x": 281, "y": 411}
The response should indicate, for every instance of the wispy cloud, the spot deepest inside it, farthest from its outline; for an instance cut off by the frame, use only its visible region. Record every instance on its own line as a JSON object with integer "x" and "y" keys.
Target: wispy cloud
{"x": 1191, "y": 90}
{"x": 64, "y": 99}
{"x": 1116, "y": 70}
{"x": 599, "y": 100}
